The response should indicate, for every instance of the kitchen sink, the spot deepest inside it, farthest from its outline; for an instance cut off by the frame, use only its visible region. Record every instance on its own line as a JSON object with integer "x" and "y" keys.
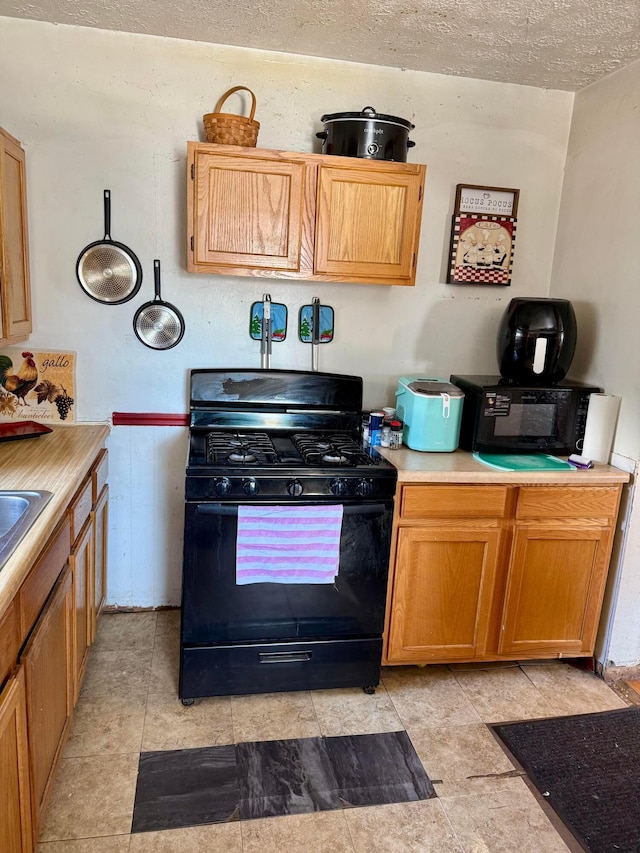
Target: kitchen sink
{"x": 18, "y": 511}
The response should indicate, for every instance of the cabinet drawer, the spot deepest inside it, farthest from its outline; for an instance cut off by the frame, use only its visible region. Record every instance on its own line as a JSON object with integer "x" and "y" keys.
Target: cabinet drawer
{"x": 9, "y": 641}
{"x": 99, "y": 474}
{"x": 36, "y": 588}
{"x": 79, "y": 508}
{"x": 567, "y": 502}
{"x": 453, "y": 501}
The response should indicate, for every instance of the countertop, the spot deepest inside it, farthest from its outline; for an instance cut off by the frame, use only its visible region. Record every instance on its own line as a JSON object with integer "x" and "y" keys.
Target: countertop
{"x": 55, "y": 462}
{"x": 460, "y": 467}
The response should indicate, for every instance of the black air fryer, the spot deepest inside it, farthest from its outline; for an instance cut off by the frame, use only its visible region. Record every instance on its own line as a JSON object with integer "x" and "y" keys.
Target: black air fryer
{"x": 536, "y": 340}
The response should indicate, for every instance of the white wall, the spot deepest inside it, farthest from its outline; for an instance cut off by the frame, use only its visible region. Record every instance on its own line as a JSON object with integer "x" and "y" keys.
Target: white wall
{"x": 99, "y": 110}
{"x": 596, "y": 266}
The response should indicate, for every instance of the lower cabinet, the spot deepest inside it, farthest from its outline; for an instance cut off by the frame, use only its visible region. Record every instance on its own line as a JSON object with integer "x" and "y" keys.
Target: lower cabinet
{"x": 490, "y": 573}
{"x": 45, "y": 637}
{"x": 48, "y": 665}
{"x": 16, "y": 828}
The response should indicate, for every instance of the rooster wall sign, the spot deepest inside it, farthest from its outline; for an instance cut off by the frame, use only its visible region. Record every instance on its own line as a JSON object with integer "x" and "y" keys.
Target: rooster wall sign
{"x": 37, "y": 385}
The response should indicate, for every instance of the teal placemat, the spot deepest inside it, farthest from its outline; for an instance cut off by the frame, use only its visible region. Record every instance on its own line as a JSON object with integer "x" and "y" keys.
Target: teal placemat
{"x": 523, "y": 462}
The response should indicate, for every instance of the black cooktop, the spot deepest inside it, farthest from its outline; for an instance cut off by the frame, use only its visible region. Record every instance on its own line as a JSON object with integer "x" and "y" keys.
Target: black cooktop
{"x": 237, "y": 449}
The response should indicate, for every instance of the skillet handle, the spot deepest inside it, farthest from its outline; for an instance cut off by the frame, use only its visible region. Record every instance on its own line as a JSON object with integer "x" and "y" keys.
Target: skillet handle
{"x": 107, "y": 214}
{"x": 156, "y": 278}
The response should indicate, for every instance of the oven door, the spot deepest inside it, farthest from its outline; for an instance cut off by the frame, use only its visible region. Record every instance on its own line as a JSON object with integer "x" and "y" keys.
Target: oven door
{"x": 215, "y": 610}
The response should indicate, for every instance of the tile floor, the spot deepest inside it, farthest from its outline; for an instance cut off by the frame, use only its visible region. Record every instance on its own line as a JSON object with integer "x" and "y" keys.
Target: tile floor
{"x": 129, "y": 705}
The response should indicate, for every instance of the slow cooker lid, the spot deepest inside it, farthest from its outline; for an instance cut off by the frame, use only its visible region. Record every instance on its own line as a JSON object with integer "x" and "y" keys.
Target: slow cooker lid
{"x": 367, "y": 114}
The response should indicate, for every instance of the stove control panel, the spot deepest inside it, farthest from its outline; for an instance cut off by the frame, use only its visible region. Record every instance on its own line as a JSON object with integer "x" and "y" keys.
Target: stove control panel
{"x": 243, "y": 489}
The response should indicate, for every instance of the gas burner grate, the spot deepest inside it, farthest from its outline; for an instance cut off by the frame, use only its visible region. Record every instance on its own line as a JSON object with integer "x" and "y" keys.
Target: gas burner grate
{"x": 234, "y": 448}
{"x": 329, "y": 449}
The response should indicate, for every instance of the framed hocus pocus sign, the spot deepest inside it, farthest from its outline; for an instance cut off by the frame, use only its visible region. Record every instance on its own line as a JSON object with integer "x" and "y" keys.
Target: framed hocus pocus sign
{"x": 483, "y": 239}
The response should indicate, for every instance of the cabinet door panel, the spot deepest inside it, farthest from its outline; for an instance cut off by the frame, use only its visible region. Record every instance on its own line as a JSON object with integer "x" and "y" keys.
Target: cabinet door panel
{"x": 14, "y": 254}
{"x": 366, "y": 222}
{"x": 81, "y": 561}
{"x": 48, "y": 663}
{"x": 99, "y": 516}
{"x": 16, "y": 833}
{"x": 248, "y": 212}
{"x": 441, "y": 593}
{"x": 554, "y": 591}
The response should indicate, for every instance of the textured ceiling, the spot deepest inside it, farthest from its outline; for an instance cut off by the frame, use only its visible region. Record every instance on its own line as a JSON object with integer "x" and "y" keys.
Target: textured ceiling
{"x": 553, "y": 44}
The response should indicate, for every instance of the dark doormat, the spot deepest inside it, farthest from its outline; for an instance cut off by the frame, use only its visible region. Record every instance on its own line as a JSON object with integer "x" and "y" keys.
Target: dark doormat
{"x": 587, "y": 768}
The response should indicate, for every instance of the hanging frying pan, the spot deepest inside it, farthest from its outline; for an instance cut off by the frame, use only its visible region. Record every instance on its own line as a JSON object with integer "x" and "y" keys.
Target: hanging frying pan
{"x": 108, "y": 272}
{"x": 158, "y": 324}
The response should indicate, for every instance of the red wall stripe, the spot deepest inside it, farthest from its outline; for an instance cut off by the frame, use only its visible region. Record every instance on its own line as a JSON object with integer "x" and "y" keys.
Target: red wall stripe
{"x": 149, "y": 419}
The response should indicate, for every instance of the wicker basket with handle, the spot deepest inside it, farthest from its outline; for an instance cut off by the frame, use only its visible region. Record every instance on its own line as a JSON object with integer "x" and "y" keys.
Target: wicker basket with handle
{"x": 229, "y": 129}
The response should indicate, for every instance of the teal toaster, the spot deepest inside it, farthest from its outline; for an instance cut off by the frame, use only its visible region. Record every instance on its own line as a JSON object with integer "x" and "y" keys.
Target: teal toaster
{"x": 431, "y": 410}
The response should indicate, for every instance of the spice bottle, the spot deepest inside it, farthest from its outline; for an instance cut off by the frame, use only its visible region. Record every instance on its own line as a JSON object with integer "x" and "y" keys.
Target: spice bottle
{"x": 395, "y": 435}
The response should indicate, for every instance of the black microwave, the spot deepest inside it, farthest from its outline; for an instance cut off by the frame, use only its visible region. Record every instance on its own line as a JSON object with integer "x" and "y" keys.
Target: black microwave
{"x": 499, "y": 416}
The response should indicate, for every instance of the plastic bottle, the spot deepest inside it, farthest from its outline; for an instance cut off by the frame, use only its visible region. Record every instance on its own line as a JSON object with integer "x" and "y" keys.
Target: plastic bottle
{"x": 395, "y": 435}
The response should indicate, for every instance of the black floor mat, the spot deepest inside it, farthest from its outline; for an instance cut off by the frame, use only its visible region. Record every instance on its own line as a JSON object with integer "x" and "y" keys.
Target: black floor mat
{"x": 189, "y": 787}
{"x": 587, "y": 767}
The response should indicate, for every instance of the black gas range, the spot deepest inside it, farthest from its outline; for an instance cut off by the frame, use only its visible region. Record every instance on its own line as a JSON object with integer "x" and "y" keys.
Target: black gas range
{"x": 276, "y": 438}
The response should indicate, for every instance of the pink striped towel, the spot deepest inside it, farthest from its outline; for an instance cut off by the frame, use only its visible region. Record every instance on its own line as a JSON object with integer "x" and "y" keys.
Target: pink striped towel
{"x": 284, "y": 544}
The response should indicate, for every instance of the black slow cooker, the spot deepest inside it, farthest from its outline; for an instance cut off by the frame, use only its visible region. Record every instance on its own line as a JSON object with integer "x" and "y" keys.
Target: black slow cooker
{"x": 366, "y": 134}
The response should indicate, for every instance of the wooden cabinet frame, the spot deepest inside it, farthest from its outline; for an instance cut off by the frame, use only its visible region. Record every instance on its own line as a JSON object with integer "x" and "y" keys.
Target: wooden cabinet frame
{"x": 531, "y": 587}
{"x": 259, "y": 212}
{"x": 45, "y": 635}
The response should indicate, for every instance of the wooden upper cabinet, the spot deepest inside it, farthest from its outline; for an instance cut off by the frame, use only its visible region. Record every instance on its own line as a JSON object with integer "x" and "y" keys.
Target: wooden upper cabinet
{"x": 367, "y": 222}
{"x": 15, "y": 295}
{"x": 258, "y": 212}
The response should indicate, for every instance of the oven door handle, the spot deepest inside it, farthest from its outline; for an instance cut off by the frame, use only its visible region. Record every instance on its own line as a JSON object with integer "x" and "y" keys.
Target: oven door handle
{"x": 347, "y": 509}
{"x": 216, "y": 509}
{"x": 284, "y": 657}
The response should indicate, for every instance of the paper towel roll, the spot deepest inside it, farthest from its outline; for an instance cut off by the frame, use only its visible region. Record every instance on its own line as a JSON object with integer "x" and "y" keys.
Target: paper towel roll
{"x": 600, "y": 427}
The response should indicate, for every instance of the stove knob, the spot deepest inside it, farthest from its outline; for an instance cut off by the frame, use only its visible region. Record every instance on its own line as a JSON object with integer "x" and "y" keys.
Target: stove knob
{"x": 364, "y": 488}
{"x": 222, "y": 487}
{"x": 250, "y": 487}
{"x": 294, "y": 487}
{"x": 338, "y": 487}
